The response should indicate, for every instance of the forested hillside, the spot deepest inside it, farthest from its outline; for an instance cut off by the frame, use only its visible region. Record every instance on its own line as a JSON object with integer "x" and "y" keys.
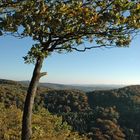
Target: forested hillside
{"x": 127, "y": 103}
{"x": 98, "y": 115}
{"x": 45, "y": 125}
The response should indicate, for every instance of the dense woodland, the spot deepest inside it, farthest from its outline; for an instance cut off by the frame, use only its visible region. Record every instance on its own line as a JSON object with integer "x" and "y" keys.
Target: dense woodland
{"x": 64, "y": 26}
{"x": 68, "y": 114}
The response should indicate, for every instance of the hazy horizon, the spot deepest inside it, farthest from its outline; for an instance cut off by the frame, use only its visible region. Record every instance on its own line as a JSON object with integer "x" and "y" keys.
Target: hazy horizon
{"x": 55, "y": 82}
{"x": 73, "y": 84}
{"x": 116, "y": 66}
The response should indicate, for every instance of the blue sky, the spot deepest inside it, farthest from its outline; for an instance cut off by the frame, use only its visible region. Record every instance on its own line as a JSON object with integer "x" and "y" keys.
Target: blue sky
{"x": 96, "y": 66}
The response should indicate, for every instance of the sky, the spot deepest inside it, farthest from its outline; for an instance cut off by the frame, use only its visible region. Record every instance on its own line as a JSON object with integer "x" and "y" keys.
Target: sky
{"x": 96, "y": 66}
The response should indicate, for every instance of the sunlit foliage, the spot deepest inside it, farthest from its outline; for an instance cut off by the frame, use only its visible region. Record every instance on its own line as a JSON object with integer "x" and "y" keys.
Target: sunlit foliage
{"x": 106, "y": 118}
{"x": 45, "y": 126}
{"x": 60, "y": 25}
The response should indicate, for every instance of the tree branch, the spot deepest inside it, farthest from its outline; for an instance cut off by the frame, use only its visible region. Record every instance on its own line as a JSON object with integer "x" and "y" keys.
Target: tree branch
{"x": 106, "y": 8}
{"x": 42, "y": 74}
{"x": 88, "y": 48}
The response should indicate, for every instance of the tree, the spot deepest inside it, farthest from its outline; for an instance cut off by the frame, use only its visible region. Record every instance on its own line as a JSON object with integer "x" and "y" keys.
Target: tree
{"x": 64, "y": 25}
{"x": 45, "y": 125}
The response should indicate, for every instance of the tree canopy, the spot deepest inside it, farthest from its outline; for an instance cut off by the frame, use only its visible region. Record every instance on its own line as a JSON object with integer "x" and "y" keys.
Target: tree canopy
{"x": 63, "y": 25}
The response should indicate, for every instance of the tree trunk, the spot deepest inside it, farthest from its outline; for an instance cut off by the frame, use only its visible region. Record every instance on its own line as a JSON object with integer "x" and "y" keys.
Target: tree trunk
{"x": 29, "y": 101}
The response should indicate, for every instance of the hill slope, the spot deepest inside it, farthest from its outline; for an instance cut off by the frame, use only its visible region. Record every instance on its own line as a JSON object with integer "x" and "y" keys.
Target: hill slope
{"x": 95, "y": 113}
{"x": 85, "y": 88}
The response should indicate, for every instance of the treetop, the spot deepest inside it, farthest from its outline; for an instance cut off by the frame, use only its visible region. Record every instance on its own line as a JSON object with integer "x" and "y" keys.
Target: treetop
{"x": 63, "y": 25}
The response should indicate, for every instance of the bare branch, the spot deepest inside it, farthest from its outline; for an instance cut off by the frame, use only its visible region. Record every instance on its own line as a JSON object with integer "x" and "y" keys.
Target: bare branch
{"x": 42, "y": 74}
{"x": 88, "y": 48}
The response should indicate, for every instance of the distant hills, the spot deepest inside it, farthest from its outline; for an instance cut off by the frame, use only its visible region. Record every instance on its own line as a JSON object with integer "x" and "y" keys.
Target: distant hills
{"x": 10, "y": 82}
{"x": 98, "y": 112}
{"x": 85, "y": 88}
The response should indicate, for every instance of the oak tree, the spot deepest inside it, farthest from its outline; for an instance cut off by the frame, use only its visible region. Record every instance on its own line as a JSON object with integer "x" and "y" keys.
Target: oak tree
{"x": 63, "y": 26}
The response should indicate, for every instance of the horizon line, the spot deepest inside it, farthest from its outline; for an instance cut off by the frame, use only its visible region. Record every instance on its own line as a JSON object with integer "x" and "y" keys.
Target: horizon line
{"x": 74, "y": 84}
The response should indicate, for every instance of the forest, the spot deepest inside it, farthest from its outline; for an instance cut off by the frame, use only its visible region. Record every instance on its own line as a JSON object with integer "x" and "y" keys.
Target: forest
{"x": 72, "y": 114}
{"x": 64, "y": 26}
